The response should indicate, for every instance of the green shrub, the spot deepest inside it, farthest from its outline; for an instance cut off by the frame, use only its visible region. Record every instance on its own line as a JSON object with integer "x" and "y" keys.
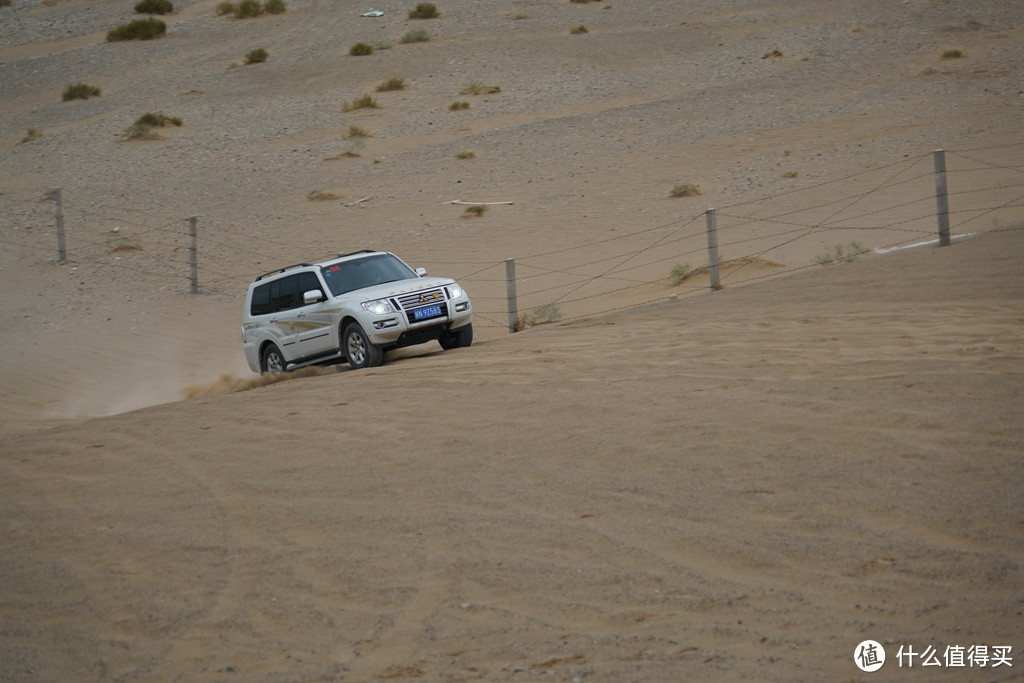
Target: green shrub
{"x": 154, "y": 7}
{"x": 478, "y": 88}
{"x": 417, "y": 36}
{"x": 424, "y": 10}
{"x": 7, "y": 3}
{"x": 474, "y": 211}
{"x": 685, "y": 190}
{"x": 31, "y": 134}
{"x": 382, "y": 45}
{"x": 256, "y": 56}
{"x": 578, "y": 30}
{"x": 275, "y": 7}
{"x": 226, "y": 7}
{"x": 144, "y": 125}
{"x": 396, "y": 83}
{"x": 80, "y": 91}
{"x": 357, "y": 132}
{"x": 790, "y": 174}
{"x": 361, "y": 49}
{"x": 140, "y": 29}
{"x": 679, "y": 273}
{"x": 520, "y": 15}
{"x": 364, "y": 102}
{"x": 952, "y": 54}
{"x": 466, "y": 155}
{"x": 457, "y": 106}
{"x": 247, "y": 9}
{"x": 773, "y": 53}
{"x": 842, "y": 253}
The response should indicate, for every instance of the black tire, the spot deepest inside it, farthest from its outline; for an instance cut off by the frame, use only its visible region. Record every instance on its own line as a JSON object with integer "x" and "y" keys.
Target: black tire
{"x": 359, "y": 350}
{"x": 273, "y": 361}
{"x": 457, "y": 339}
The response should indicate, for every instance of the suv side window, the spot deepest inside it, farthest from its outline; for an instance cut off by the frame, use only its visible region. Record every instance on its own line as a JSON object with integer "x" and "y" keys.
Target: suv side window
{"x": 307, "y": 281}
{"x": 260, "y": 300}
{"x": 284, "y": 294}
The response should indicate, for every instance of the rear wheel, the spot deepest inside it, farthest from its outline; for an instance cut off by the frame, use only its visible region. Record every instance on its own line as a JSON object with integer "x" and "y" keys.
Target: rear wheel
{"x": 273, "y": 360}
{"x": 457, "y": 339}
{"x": 360, "y": 351}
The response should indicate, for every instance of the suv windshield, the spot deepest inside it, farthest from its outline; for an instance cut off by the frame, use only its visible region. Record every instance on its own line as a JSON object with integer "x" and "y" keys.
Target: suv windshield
{"x": 349, "y": 276}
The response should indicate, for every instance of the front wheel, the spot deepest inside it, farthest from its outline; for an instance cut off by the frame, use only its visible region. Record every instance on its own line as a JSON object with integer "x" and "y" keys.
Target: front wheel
{"x": 457, "y": 339}
{"x": 360, "y": 351}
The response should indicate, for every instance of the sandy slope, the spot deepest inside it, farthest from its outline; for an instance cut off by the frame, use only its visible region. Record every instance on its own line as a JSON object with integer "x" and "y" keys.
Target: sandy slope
{"x": 747, "y": 483}
{"x": 739, "y": 484}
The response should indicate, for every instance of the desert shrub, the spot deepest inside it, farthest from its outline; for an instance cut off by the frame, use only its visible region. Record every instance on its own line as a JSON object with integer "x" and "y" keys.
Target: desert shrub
{"x": 790, "y": 174}
{"x": 520, "y": 15}
{"x": 392, "y": 84}
{"x": 321, "y": 196}
{"x": 361, "y": 49}
{"x": 248, "y": 9}
{"x": 144, "y": 125}
{"x": 364, "y": 102}
{"x": 685, "y": 190}
{"x": 382, "y": 45}
{"x": 581, "y": 2}
{"x": 458, "y": 106}
{"x": 357, "y": 132}
{"x": 578, "y": 30}
{"x": 416, "y": 36}
{"x": 31, "y": 134}
{"x": 466, "y": 155}
{"x": 680, "y": 272}
{"x": 773, "y": 53}
{"x": 424, "y": 10}
{"x": 154, "y": 7}
{"x": 478, "y": 88}
{"x": 274, "y": 7}
{"x": 225, "y": 7}
{"x": 80, "y": 91}
{"x": 952, "y": 54}
{"x": 841, "y": 253}
{"x": 6, "y": 3}
{"x": 474, "y": 211}
{"x": 257, "y": 56}
{"x": 140, "y": 29}
{"x": 548, "y": 313}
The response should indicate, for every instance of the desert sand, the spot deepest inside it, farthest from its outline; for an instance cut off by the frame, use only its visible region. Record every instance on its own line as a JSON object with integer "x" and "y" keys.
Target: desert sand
{"x": 668, "y": 482}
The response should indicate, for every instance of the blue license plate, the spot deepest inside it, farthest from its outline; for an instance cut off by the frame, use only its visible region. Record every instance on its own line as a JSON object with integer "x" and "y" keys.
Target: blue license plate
{"x": 427, "y": 312}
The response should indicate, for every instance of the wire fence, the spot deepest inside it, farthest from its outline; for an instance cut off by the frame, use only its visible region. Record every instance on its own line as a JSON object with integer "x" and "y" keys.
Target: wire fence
{"x": 883, "y": 207}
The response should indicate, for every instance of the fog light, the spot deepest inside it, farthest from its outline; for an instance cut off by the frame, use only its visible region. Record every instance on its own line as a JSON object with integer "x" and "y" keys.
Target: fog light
{"x": 381, "y": 324}
{"x": 459, "y": 308}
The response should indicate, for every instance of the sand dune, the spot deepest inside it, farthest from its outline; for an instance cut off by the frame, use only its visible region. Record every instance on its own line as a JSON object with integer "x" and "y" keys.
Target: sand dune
{"x": 670, "y": 483}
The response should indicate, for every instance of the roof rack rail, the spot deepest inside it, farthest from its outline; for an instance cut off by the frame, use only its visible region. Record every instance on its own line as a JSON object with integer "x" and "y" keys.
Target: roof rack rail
{"x": 361, "y": 251}
{"x": 281, "y": 270}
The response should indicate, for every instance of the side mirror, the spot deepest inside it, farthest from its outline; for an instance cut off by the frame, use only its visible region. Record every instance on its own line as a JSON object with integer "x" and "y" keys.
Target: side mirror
{"x": 421, "y": 272}
{"x": 313, "y": 296}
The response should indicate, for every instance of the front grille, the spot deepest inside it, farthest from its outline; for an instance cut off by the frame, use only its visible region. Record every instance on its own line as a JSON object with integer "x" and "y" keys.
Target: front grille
{"x": 426, "y": 297}
{"x": 421, "y": 299}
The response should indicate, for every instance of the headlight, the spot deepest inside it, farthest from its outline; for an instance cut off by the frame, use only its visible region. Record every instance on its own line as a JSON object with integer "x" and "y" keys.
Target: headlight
{"x": 454, "y": 291}
{"x": 378, "y": 307}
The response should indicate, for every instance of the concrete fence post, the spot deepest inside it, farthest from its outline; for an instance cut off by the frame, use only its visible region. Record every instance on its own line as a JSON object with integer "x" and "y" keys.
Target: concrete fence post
{"x": 510, "y": 288}
{"x": 62, "y": 254}
{"x": 941, "y": 198}
{"x": 713, "y": 248}
{"x": 193, "y": 265}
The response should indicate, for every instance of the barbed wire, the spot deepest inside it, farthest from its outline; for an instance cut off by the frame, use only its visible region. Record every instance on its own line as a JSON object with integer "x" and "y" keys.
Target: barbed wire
{"x": 623, "y": 271}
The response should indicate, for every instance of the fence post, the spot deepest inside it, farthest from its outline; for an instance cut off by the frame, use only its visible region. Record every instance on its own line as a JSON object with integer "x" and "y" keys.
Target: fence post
{"x": 713, "y": 248}
{"x": 193, "y": 266}
{"x": 941, "y": 198}
{"x": 62, "y": 254}
{"x": 510, "y": 288}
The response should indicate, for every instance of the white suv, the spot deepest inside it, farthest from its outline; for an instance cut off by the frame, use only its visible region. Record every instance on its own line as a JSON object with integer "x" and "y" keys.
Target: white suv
{"x": 354, "y": 307}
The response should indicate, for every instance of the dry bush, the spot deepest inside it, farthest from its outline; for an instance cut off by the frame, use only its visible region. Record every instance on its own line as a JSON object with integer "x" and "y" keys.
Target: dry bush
{"x": 685, "y": 190}
{"x": 364, "y": 102}
{"x": 478, "y": 88}
{"x": 395, "y": 83}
